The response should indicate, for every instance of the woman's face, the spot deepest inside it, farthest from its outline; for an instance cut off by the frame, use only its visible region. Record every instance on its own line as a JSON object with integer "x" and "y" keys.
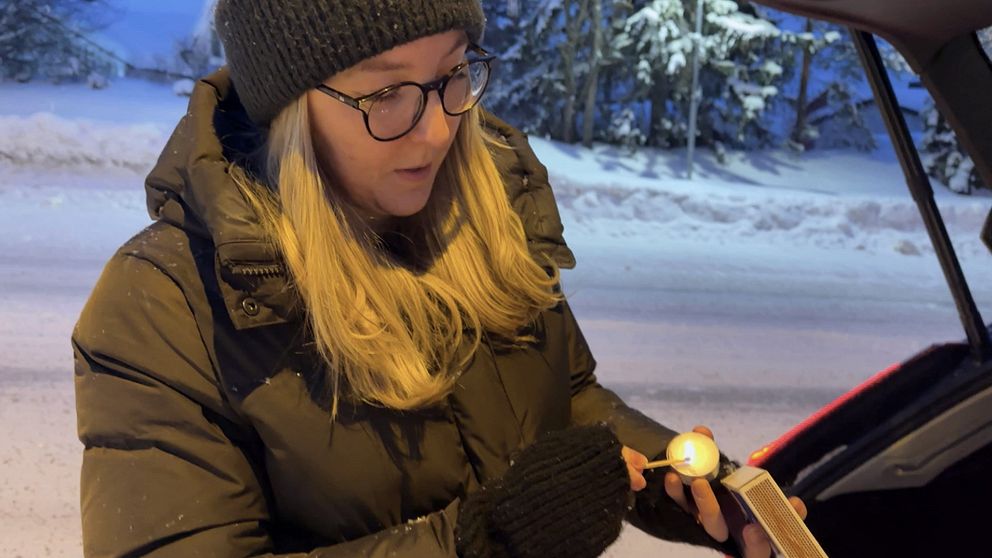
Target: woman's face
{"x": 391, "y": 178}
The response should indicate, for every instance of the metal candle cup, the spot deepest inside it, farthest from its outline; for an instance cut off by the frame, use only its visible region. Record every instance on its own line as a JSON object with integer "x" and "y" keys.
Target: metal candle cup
{"x": 696, "y": 456}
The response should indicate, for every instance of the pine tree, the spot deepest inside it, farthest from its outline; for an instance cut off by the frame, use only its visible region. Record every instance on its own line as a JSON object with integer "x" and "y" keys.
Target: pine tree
{"x": 615, "y": 122}
{"x": 202, "y": 52}
{"x": 592, "y": 79}
{"x": 943, "y": 157}
{"x": 738, "y": 77}
{"x": 528, "y": 78}
{"x": 556, "y": 66}
{"x": 828, "y": 110}
{"x": 836, "y": 108}
{"x": 47, "y": 38}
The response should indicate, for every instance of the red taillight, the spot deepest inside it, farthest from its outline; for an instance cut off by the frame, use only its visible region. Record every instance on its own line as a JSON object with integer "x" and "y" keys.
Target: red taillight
{"x": 759, "y": 457}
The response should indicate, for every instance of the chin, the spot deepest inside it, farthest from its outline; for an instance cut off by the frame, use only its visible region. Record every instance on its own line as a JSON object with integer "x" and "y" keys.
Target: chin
{"x": 407, "y": 203}
{"x": 406, "y": 211}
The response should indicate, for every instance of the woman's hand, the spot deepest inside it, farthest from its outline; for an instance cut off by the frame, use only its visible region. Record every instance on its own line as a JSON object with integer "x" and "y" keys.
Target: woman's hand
{"x": 706, "y": 509}
{"x": 635, "y": 466}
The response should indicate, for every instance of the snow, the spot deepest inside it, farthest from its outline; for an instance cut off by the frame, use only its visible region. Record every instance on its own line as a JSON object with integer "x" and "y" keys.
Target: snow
{"x": 744, "y": 299}
{"x": 676, "y": 62}
{"x": 831, "y": 36}
{"x": 48, "y": 141}
{"x": 772, "y": 68}
{"x": 746, "y": 26}
{"x": 128, "y": 101}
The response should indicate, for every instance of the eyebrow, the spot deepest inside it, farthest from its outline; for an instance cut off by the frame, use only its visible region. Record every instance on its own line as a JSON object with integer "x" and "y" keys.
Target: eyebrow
{"x": 379, "y": 65}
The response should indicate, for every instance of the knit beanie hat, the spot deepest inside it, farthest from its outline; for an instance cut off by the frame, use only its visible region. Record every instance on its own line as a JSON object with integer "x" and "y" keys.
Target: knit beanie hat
{"x": 278, "y": 49}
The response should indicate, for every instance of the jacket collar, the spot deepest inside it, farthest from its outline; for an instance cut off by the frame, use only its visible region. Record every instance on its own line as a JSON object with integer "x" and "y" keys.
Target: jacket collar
{"x": 190, "y": 188}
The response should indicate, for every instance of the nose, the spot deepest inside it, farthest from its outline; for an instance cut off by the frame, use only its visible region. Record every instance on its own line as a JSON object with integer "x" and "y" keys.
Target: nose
{"x": 433, "y": 127}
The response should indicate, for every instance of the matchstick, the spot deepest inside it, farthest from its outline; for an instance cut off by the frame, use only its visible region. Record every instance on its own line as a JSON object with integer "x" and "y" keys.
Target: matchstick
{"x": 664, "y": 463}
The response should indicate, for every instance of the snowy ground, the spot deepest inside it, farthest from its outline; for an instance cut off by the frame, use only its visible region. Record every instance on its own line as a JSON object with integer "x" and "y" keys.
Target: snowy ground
{"x": 744, "y": 300}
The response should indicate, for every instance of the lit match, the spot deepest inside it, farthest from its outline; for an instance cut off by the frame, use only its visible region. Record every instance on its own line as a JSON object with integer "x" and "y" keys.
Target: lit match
{"x": 665, "y": 463}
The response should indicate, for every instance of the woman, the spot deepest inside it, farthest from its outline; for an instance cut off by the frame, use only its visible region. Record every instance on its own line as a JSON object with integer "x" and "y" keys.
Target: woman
{"x": 342, "y": 336}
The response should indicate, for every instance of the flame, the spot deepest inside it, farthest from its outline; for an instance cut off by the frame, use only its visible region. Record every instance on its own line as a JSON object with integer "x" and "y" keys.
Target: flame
{"x": 688, "y": 451}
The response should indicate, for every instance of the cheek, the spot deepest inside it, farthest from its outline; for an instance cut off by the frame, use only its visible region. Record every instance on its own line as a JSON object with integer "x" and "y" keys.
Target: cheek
{"x": 441, "y": 150}
{"x": 353, "y": 160}
{"x": 357, "y": 167}
{"x": 353, "y": 157}
{"x": 454, "y": 122}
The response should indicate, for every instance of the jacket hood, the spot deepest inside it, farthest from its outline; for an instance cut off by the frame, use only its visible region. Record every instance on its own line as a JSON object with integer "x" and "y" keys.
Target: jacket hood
{"x": 190, "y": 188}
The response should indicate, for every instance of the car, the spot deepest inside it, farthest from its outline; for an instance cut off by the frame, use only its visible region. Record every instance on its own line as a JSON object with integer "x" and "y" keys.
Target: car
{"x": 901, "y": 464}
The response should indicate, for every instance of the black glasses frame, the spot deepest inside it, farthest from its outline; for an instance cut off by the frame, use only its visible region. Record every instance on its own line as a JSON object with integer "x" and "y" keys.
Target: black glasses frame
{"x": 365, "y": 101}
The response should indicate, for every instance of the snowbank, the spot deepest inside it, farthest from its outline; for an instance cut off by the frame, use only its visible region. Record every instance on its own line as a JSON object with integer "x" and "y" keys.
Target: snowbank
{"x": 47, "y": 141}
{"x": 841, "y": 199}
{"x": 834, "y": 200}
{"x": 853, "y": 222}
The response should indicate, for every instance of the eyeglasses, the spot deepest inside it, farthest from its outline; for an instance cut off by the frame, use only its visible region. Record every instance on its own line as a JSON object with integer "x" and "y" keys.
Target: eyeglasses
{"x": 391, "y": 112}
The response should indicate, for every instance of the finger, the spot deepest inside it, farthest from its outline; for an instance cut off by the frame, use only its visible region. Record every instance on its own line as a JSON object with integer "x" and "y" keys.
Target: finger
{"x": 637, "y": 480}
{"x": 709, "y": 510}
{"x": 756, "y": 543}
{"x": 634, "y": 458}
{"x": 700, "y": 429}
{"x": 676, "y": 491}
{"x": 800, "y": 507}
{"x": 635, "y": 465}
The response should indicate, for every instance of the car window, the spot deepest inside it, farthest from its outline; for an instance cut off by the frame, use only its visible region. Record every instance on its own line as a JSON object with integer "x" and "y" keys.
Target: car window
{"x": 985, "y": 37}
{"x": 789, "y": 274}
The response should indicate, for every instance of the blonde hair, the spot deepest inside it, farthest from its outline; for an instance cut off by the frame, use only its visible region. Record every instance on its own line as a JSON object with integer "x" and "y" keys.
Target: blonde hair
{"x": 396, "y": 332}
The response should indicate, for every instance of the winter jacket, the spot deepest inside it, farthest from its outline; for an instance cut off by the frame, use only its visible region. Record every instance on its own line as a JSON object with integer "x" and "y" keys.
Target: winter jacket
{"x": 205, "y": 426}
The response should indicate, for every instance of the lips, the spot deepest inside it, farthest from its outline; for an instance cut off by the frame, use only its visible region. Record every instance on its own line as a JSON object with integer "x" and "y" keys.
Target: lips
{"x": 415, "y": 173}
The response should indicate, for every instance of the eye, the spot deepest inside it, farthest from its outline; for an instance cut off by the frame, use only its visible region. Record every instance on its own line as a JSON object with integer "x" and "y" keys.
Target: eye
{"x": 388, "y": 96}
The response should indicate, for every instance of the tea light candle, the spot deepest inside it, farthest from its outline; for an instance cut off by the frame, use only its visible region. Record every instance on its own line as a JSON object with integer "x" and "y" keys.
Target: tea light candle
{"x": 694, "y": 456}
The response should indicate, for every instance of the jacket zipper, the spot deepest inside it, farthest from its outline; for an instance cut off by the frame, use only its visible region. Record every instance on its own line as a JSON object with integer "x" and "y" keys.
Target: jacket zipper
{"x": 257, "y": 270}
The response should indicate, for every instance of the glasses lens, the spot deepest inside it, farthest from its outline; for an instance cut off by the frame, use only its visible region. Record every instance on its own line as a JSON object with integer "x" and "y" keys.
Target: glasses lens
{"x": 394, "y": 112}
{"x": 465, "y": 88}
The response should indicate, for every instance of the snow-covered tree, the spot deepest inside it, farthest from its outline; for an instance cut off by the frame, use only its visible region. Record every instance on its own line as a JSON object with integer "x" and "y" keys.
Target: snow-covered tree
{"x": 738, "y": 76}
{"x": 47, "y": 38}
{"x": 596, "y": 62}
{"x": 604, "y": 118}
{"x": 554, "y": 64}
{"x": 201, "y": 52}
{"x": 816, "y": 102}
{"x": 620, "y": 71}
{"x": 943, "y": 157}
{"x": 528, "y": 75}
{"x": 837, "y": 97}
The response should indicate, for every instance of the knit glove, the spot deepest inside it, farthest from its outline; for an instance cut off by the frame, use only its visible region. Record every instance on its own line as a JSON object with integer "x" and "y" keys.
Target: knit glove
{"x": 566, "y": 495}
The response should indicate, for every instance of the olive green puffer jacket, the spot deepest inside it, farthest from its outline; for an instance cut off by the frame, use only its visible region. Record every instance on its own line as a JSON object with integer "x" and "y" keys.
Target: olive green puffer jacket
{"x": 199, "y": 409}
